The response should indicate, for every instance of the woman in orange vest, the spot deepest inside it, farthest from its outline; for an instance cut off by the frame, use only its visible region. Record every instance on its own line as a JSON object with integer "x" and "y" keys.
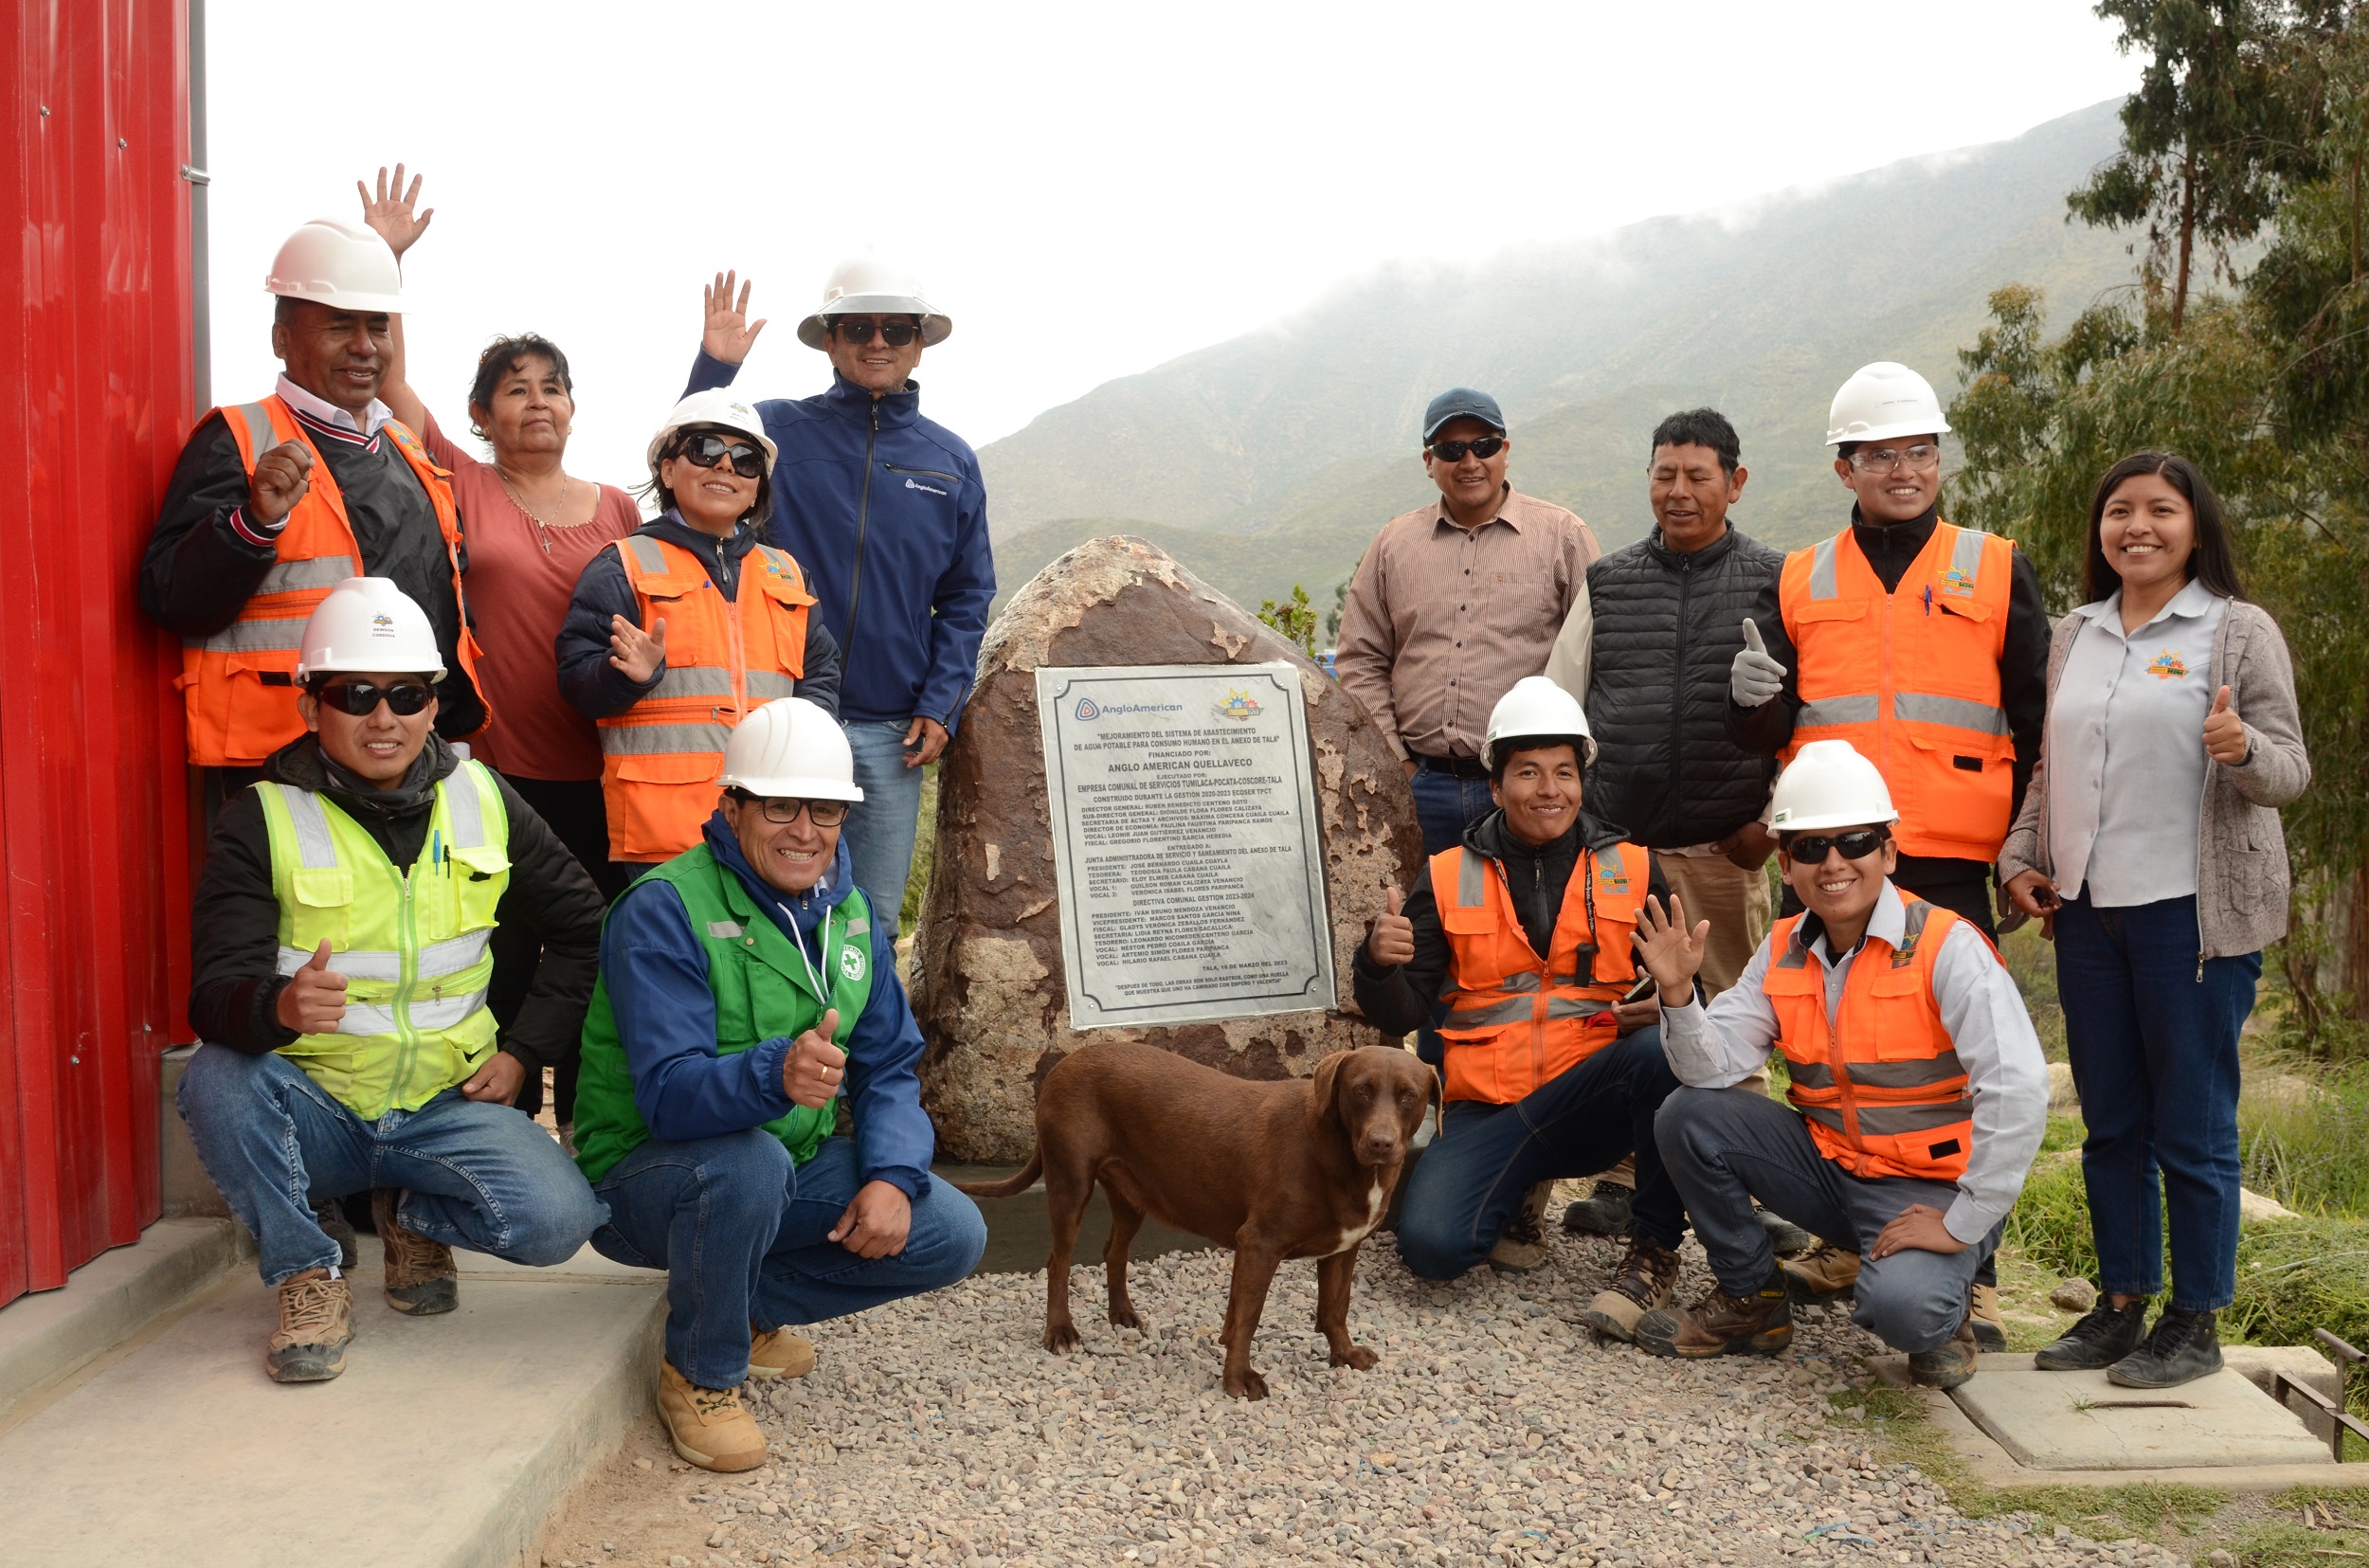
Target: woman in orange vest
{"x": 683, "y": 628}
{"x": 1919, "y": 1093}
{"x": 1547, "y": 1074}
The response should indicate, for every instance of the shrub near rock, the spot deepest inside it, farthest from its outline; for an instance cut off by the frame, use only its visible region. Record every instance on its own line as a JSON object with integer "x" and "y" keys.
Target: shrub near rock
{"x": 989, "y": 988}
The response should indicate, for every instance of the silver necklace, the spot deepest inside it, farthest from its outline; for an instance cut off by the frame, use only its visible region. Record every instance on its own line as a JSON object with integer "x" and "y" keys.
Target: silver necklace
{"x": 542, "y": 529}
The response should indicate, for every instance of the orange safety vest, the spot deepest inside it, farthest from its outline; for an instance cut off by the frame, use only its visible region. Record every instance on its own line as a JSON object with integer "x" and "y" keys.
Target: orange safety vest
{"x": 1515, "y": 1023}
{"x": 239, "y": 684}
{"x": 660, "y": 758}
{"x": 1910, "y": 678}
{"x": 1883, "y": 1091}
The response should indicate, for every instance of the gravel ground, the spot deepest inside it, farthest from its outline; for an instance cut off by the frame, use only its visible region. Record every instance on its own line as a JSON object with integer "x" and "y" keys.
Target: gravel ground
{"x": 937, "y": 1431}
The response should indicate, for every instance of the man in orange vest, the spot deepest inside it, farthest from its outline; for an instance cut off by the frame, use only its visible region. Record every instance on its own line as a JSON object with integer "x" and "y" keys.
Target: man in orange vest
{"x": 276, "y": 502}
{"x": 1524, "y": 931}
{"x": 1923, "y": 644}
{"x": 1919, "y": 1093}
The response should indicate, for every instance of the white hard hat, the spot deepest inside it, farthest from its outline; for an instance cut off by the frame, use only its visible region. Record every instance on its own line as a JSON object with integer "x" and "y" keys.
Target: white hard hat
{"x": 1829, "y": 785}
{"x": 790, "y": 749}
{"x": 1883, "y": 402}
{"x": 718, "y": 406}
{"x": 369, "y": 624}
{"x": 865, "y": 285}
{"x": 1537, "y": 707}
{"x": 333, "y": 263}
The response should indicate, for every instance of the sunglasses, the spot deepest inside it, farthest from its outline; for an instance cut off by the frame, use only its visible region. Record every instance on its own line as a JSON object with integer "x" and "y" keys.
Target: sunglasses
{"x": 1453, "y": 451}
{"x": 782, "y": 812}
{"x": 360, "y": 699}
{"x": 1810, "y": 848}
{"x": 707, "y": 451}
{"x": 857, "y": 331}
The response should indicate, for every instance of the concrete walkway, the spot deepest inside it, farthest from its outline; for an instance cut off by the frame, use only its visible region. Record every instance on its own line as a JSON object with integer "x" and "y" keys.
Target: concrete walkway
{"x": 447, "y": 1441}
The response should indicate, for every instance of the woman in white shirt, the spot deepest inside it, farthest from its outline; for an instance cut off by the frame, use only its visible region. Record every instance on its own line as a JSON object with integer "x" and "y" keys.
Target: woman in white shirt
{"x": 2149, "y": 847}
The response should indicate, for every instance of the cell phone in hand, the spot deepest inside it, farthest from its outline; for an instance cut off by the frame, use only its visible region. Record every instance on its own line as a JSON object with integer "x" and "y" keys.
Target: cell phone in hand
{"x": 1637, "y": 992}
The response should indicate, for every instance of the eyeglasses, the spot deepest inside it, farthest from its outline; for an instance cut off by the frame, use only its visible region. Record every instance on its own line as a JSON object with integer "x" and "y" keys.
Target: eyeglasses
{"x": 1453, "y": 451}
{"x": 782, "y": 812}
{"x": 360, "y": 699}
{"x": 707, "y": 451}
{"x": 1810, "y": 848}
{"x": 1919, "y": 459}
{"x": 857, "y": 329}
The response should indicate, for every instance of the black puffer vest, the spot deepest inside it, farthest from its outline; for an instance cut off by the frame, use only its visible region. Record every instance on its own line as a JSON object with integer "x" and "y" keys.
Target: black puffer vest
{"x": 1666, "y": 627}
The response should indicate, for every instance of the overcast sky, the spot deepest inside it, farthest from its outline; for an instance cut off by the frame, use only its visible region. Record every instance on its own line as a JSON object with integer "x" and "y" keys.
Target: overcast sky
{"x": 1087, "y": 191}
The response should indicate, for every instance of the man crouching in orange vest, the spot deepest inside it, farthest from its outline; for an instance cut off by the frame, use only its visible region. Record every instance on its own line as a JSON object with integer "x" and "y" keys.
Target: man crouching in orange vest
{"x": 1547, "y": 1074}
{"x": 1919, "y": 1091}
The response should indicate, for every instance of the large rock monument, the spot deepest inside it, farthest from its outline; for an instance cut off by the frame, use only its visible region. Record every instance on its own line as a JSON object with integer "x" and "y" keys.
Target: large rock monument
{"x": 989, "y": 983}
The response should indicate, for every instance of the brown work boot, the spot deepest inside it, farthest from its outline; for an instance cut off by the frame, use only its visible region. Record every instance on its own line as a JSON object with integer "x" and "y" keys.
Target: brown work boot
{"x": 1820, "y": 1274}
{"x": 1648, "y": 1274}
{"x": 710, "y": 1427}
{"x": 1948, "y": 1364}
{"x": 779, "y": 1353}
{"x": 1522, "y": 1245}
{"x": 316, "y": 1326}
{"x": 1983, "y": 1316}
{"x": 420, "y": 1279}
{"x": 1721, "y": 1324}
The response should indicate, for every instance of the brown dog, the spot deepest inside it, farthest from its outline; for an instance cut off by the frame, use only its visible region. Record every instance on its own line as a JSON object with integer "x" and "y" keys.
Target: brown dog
{"x": 1274, "y": 1170}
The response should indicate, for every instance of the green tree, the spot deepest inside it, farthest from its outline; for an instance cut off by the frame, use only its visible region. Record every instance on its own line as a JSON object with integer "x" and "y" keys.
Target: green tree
{"x": 1296, "y": 619}
{"x": 1340, "y": 608}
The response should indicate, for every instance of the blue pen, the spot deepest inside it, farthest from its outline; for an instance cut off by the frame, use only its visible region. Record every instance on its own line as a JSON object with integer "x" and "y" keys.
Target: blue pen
{"x": 1929, "y": 598}
{"x": 436, "y": 849}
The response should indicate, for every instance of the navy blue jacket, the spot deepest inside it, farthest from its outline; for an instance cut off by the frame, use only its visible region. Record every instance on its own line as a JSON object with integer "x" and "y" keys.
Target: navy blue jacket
{"x": 598, "y": 689}
{"x": 658, "y": 988}
{"x": 886, "y": 514}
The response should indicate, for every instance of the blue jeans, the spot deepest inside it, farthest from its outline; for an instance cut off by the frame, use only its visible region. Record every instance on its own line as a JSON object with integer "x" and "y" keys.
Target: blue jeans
{"x": 1446, "y": 806}
{"x": 1725, "y": 1147}
{"x": 479, "y": 1176}
{"x": 880, "y": 830}
{"x": 1472, "y": 1177}
{"x": 745, "y": 1239}
{"x": 2154, "y": 1054}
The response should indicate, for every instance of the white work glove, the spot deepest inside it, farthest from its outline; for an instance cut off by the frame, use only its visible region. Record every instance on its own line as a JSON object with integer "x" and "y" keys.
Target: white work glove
{"x": 1754, "y": 677}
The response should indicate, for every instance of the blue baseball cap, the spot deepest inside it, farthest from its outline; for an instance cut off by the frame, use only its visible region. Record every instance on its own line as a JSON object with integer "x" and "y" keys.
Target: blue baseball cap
{"x": 1461, "y": 402}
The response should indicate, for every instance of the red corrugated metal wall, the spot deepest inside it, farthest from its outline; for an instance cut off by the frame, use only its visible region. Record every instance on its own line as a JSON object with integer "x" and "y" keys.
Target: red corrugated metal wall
{"x": 95, "y": 401}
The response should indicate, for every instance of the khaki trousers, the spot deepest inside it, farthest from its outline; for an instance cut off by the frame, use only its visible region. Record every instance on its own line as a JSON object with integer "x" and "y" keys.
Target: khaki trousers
{"x": 1735, "y": 901}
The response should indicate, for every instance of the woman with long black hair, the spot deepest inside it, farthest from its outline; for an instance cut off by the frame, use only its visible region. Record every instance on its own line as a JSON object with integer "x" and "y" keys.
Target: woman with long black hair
{"x": 2149, "y": 846}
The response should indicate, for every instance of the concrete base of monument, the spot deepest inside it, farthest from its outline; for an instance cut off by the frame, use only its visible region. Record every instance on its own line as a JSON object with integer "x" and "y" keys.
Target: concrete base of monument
{"x": 1019, "y": 1234}
{"x": 2017, "y": 1426}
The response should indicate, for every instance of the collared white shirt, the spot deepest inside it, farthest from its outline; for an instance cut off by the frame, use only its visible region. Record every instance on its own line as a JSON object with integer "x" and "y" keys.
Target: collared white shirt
{"x": 2006, "y": 1073}
{"x": 2125, "y": 751}
{"x": 326, "y": 412}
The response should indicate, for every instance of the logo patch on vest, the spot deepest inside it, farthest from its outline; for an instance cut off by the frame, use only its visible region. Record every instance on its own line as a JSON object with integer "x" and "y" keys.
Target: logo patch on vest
{"x": 1956, "y": 581}
{"x": 851, "y": 965}
{"x": 2168, "y": 666}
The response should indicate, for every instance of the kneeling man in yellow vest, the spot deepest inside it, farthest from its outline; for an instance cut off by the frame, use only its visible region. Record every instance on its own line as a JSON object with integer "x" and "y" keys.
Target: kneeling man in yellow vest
{"x": 745, "y": 986}
{"x": 340, "y": 954}
{"x": 1919, "y": 1094}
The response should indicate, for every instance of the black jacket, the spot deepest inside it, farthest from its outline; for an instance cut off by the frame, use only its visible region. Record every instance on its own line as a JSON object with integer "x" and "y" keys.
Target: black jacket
{"x": 206, "y": 560}
{"x": 2022, "y": 662}
{"x": 1666, "y": 626}
{"x": 234, "y": 929}
{"x": 1396, "y": 1000}
{"x": 598, "y": 689}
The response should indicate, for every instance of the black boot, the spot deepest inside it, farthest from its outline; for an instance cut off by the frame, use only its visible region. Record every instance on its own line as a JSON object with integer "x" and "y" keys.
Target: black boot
{"x": 2104, "y": 1335}
{"x": 1603, "y": 1212}
{"x": 2182, "y": 1347}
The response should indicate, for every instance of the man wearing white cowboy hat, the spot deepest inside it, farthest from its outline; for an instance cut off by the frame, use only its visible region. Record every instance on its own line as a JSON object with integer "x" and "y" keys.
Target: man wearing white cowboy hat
{"x": 888, "y": 512}
{"x": 744, "y": 987}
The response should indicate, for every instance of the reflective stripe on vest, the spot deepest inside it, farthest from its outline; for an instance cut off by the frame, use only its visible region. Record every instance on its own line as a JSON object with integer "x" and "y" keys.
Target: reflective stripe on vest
{"x": 413, "y": 949}
{"x": 238, "y": 684}
{"x": 1515, "y": 1022}
{"x": 1910, "y": 678}
{"x": 1882, "y": 1088}
{"x": 661, "y": 756}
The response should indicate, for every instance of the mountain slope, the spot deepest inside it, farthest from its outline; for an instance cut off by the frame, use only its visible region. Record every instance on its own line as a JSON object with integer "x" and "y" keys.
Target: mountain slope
{"x": 1273, "y": 457}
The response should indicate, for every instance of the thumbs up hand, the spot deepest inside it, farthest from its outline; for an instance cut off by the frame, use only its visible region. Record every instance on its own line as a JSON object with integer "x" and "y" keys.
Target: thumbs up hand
{"x": 1753, "y": 676}
{"x": 815, "y": 1069}
{"x": 1392, "y": 939}
{"x": 2225, "y": 739}
{"x": 313, "y": 1001}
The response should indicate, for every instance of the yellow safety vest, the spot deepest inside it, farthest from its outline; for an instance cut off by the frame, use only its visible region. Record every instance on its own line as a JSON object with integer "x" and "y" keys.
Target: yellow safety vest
{"x": 412, "y": 945}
